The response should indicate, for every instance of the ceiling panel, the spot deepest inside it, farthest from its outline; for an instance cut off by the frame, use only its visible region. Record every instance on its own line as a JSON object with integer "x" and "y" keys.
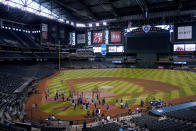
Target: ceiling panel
{"x": 124, "y": 3}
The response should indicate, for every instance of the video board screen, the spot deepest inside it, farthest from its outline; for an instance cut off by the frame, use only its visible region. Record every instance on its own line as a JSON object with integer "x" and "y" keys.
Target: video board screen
{"x": 148, "y": 42}
{"x": 120, "y": 49}
{"x": 180, "y": 63}
{"x": 103, "y": 49}
{"x": 185, "y": 32}
{"x": 116, "y": 62}
{"x": 189, "y": 47}
{"x": 97, "y": 49}
{"x": 116, "y": 36}
{"x": 112, "y": 49}
{"x": 97, "y": 37}
{"x": 81, "y": 38}
{"x": 179, "y": 47}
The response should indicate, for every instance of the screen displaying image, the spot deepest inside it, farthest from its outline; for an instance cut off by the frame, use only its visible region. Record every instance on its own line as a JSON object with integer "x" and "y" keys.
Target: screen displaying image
{"x": 112, "y": 49}
{"x": 120, "y": 49}
{"x": 97, "y": 49}
{"x": 97, "y": 37}
{"x": 185, "y": 32}
{"x": 180, "y": 63}
{"x": 179, "y": 47}
{"x": 81, "y": 38}
{"x": 116, "y": 36}
{"x": 189, "y": 47}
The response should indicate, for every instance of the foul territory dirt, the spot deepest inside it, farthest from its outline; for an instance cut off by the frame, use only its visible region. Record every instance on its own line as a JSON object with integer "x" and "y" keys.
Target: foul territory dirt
{"x": 149, "y": 86}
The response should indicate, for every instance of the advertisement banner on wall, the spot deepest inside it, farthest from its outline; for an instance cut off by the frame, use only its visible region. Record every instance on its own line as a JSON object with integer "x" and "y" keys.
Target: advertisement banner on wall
{"x": 44, "y": 31}
{"x": 120, "y": 49}
{"x": 185, "y": 32}
{"x": 179, "y": 47}
{"x": 103, "y": 49}
{"x": 97, "y": 37}
{"x": 189, "y": 47}
{"x": 81, "y": 38}
{"x": 97, "y": 49}
{"x": 72, "y": 38}
{"x": 44, "y": 28}
{"x": 116, "y": 36}
{"x": 112, "y": 49}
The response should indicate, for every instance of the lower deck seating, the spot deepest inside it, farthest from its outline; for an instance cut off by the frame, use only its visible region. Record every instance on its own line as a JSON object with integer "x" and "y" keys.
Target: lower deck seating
{"x": 52, "y": 129}
{"x": 155, "y": 123}
{"x": 12, "y": 76}
{"x": 188, "y": 114}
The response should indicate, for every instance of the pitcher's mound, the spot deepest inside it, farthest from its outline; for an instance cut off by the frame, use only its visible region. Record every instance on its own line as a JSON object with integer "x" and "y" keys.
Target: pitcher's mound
{"x": 106, "y": 87}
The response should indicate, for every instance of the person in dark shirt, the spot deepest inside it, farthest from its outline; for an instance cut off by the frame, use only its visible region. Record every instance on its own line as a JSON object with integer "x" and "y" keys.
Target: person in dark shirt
{"x": 142, "y": 103}
{"x": 102, "y": 115}
{"x": 49, "y": 117}
{"x": 84, "y": 125}
{"x": 121, "y": 100}
{"x": 75, "y": 107}
{"x": 97, "y": 97}
{"x": 97, "y": 111}
{"x": 108, "y": 107}
{"x": 116, "y": 101}
{"x": 88, "y": 113}
{"x": 93, "y": 114}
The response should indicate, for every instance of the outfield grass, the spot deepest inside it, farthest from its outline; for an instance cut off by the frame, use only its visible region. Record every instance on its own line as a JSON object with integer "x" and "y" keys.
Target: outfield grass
{"x": 186, "y": 81}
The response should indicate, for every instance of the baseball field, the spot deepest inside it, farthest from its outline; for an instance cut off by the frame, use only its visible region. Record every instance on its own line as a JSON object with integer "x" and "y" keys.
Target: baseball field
{"x": 114, "y": 84}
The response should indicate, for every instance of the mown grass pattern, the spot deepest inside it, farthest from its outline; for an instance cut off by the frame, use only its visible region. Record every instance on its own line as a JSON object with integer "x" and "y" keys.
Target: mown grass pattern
{"x": 185, "y": 80}
{"x": 119, "y": 87}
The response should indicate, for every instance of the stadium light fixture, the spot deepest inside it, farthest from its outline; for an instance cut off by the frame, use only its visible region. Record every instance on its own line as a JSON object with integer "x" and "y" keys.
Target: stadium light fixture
{"x": 171, "y": 30}
{"x": 61, "y": 20}
{"x": 72, "y": 23}
{"x": 80, "y": 25}
{"x": 90, "y": 25}
{"x": 104, "y": 23}
{"x": 67, "y": 22}
{"x": 97, "y": 24}
{"x": 165, "y": 27}
{"x": 130, "y": 29}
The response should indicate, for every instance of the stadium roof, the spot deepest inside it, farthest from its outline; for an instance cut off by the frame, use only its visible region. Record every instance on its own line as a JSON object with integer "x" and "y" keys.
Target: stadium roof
{"x": 96, "y": 10}
{"x": 86, "y": 12}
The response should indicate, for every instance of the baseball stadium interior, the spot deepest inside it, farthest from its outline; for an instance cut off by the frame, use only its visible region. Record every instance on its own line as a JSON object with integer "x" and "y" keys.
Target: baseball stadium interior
{"x": 97, "y": 65}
